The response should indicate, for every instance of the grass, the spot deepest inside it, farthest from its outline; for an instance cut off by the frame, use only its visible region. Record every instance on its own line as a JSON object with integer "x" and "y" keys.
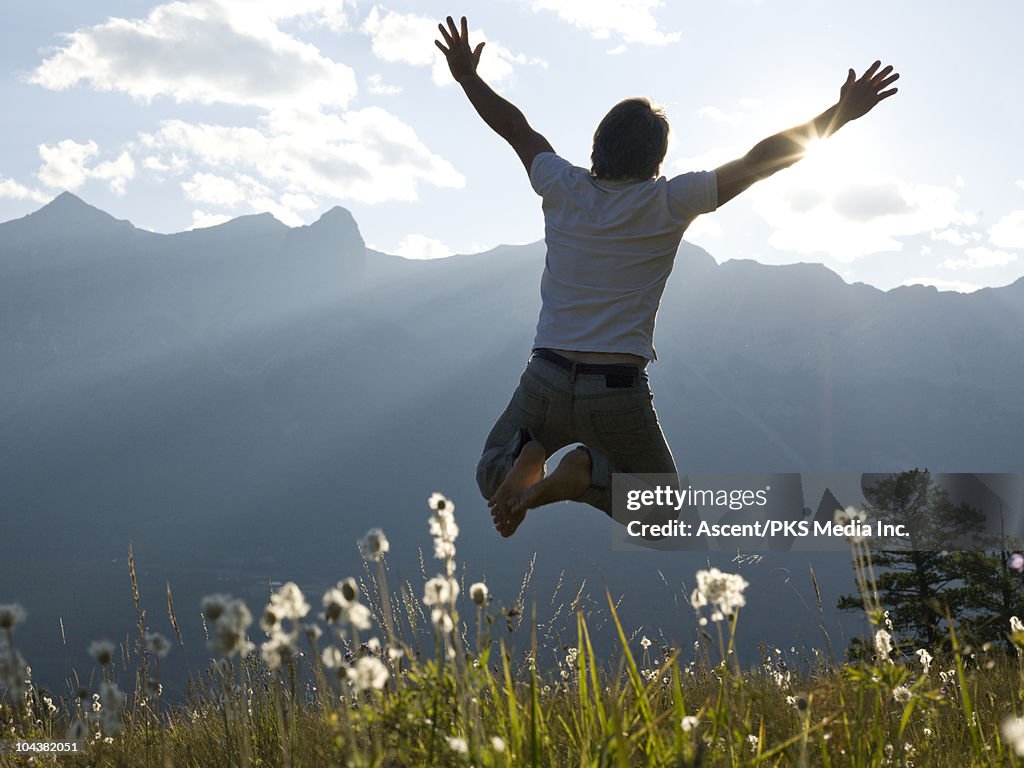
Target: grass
{"x": 436, "y": 688}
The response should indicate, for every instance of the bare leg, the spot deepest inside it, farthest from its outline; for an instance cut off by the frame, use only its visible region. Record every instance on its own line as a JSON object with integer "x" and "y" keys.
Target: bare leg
{"x": 568, "y": 482}
{"x": 526, "y": 471}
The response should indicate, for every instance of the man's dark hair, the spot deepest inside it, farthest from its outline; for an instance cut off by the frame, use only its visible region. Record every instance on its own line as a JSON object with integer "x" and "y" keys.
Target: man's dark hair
{"x": 630, "y": 142}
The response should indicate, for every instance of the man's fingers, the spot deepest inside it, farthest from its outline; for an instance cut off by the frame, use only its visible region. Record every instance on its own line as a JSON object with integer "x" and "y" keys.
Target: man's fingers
{"x": 453, "y": 29}
{"x": 871, "y": 70}
{"x": 889, "y": 80}
{"x": 444, "y": 34}
{"x": 443, "y": 49}
{"x": 887, "y": 94}
{"x": 465, "y": 29}
{"x": 851, "y": 77}
{"x": 477, "y": 52}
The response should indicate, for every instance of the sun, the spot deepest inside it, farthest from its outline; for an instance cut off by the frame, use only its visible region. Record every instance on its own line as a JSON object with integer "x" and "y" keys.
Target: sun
{"x": 830, "y": 163}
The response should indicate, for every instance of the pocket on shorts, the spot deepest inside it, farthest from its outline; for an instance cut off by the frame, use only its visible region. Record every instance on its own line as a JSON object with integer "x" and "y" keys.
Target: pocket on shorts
{"x": 622, "y": 431}
{"x": 532, "y": 405}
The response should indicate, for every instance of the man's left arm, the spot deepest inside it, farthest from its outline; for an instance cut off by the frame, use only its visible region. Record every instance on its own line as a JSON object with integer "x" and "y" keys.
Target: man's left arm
{"x": 501, "y": 115}
{"x": 857, "y": 97}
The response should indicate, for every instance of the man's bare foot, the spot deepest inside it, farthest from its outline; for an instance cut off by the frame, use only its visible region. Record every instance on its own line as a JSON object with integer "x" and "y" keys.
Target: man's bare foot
{"x": 526, "y": 471}
{"x": 568, "y": 482}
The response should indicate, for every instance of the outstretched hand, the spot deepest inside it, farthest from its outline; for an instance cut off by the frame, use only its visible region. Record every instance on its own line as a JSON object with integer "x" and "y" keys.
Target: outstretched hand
{"x": 462, "y": 59}
{"x": 857, "y": 97}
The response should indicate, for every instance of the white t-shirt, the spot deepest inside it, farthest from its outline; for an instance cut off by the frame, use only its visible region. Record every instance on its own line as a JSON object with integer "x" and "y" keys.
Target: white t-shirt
{"x": 611, "y": 246}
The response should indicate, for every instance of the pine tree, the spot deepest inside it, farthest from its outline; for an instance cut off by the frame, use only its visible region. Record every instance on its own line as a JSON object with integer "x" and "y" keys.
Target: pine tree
{"x": 919, "y": 576}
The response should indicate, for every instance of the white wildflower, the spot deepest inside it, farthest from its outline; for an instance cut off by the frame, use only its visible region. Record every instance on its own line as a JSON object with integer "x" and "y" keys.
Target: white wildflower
{"x": 358, "y": 615}
{"x": 102, "y": 651}
{"x": 901, "y": 694}
{"x": 645, "y": 643}
{"x": 278, "y": 650}
{"x": 374, "y": 545}
{"x": 369, "y": 673}
{"x": 498, "y": 743}
{"x": 478, "y": 593}
{"x": 689, "y": 723}
{"x": 724, "y": 591}
{"x": 883, "y": 645}
{"x": 1016, "y": 625}
{"x": 349, "y": 590}
{"x": 271, "y": 619}
{"x": 227, "y": 636}
{"x": 213, "y": 606}
{"x": 443, "y": 527}
{"x": 1013, "y": 734}
{"x": 157, "y": 644}
{"x": 334, "y": 606}
{"x": 442, "y": 620}
{"x": 440, "y": 590}
{"x": 458, "y": 745}
{"x": 11, "y": 614}
{"x": 849, "y": 515}
{"x": 289, "y": 602}
{"x": 753, "y": 740}
{"x": 312, "y": 632}
{"x": 925, "y": 658}
{"x": 332, "y": 657}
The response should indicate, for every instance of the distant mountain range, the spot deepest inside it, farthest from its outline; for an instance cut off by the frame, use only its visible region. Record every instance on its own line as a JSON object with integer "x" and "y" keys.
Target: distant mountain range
{"x": 252, "y": 397}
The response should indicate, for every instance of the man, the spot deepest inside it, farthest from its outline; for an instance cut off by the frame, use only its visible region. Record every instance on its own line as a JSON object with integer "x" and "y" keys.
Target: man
{"x": 611, "y": 235}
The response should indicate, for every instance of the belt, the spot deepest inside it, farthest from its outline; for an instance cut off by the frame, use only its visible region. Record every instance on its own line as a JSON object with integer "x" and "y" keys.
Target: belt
{"x": 600, "y": 369}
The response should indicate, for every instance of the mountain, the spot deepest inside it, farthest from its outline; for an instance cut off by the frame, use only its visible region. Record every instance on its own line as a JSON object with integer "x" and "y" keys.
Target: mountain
{"x": 241, "y": 402}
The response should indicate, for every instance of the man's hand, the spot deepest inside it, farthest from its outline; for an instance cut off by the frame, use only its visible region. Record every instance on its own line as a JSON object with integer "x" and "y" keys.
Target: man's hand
{"x": 462, "y": 59}
{"x": 858, "y": 97}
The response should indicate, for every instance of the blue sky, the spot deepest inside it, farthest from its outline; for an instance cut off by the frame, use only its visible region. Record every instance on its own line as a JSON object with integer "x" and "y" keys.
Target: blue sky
{"x": 182, "y": 114}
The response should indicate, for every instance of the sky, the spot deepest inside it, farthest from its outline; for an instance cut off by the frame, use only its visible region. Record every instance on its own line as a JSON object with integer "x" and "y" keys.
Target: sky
{"x": 185, "y": 114}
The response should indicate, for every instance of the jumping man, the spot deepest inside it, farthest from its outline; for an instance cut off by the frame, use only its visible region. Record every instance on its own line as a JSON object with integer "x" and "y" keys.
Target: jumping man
{"x": 612, "y": 233}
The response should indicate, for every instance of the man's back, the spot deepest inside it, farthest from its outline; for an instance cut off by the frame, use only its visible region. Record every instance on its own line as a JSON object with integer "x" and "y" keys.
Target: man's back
{"x": 610, "y": 248}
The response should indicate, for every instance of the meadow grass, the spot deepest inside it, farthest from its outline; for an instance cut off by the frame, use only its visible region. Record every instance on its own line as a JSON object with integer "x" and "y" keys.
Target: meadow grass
{"x": 436, "y": 687}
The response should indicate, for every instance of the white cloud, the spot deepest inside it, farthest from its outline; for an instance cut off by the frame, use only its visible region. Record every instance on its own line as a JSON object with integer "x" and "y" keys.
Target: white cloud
{"x": 12, "y": 190}
{"x": 813, "y": 212}
{"x": 616, "y": 50}
{"x": 376, "y": 84}
{"x": 944, "y": 285}
{"x": 1008, "y": 232}
{"x": 1019, "y": 183}
{"x": 416, "y": 246}
{"x": 981, "y": 258}
{"x": 951, "y": 236}
{"x": 633, "y": 20}
{"x": 212, "y": 189}
{"x": 959, "y": 182}
{"x": 206, "y": 51}
{"x": 65, "y": 166}
{"x": 202, "y": 219}
{"x": 408, "y": 38}
{"x": 366, "y": 155}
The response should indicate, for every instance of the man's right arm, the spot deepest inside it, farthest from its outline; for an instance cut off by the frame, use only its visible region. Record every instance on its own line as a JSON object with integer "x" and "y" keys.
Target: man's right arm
{"x": 503, "y": 117}
{"x": 856, "y": 99}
